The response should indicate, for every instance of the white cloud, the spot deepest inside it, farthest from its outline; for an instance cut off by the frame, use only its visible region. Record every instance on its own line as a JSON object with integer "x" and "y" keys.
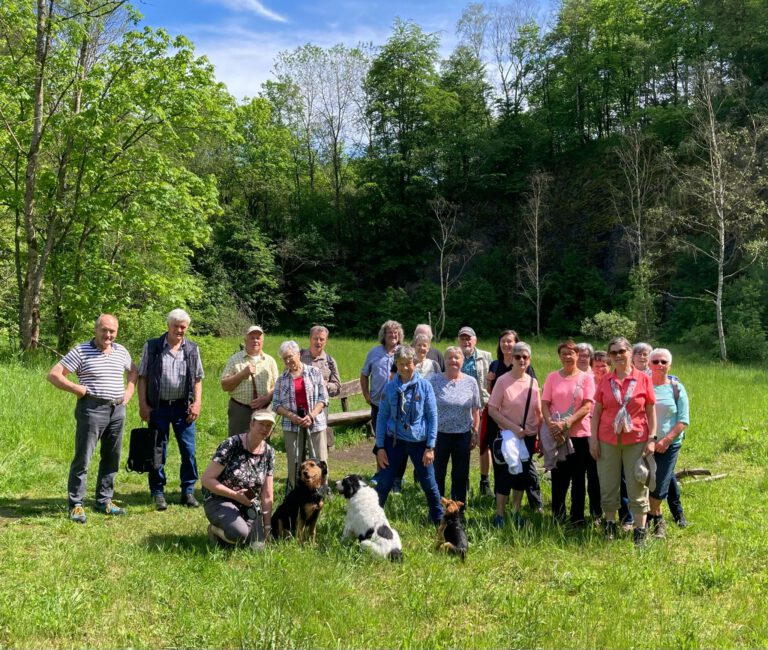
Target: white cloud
{"x": 252, "y": 6}
{"x": 244, "y": 58}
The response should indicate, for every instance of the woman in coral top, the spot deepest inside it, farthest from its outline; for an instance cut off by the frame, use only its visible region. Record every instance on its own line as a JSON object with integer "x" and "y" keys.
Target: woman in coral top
{"x": 623, "y": 431}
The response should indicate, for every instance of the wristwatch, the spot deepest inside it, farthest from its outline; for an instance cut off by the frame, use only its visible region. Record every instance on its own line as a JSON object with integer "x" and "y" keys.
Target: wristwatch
{"x": 430, "y": 449}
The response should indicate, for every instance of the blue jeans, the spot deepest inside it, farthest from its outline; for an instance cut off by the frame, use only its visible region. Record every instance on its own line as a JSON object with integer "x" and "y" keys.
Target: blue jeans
{"x": 164, "y": 417}
{"x": 665, "y": 469}
{"x": 673, "y": 499}
{"x": 425, "y": 474}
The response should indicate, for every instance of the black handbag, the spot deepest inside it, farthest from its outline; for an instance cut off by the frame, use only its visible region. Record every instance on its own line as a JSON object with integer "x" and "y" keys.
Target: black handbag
{"x": 145, "y": 452}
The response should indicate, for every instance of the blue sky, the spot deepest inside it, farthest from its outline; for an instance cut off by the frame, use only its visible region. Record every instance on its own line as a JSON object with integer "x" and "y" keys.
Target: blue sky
{"x": 242, "y": 37}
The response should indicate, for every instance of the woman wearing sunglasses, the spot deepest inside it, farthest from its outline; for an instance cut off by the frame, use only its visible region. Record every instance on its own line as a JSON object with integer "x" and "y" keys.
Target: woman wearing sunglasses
{"x": 623, "y": 431}
{"x": 515, "y": 406}
{"x": 672, "y": 415}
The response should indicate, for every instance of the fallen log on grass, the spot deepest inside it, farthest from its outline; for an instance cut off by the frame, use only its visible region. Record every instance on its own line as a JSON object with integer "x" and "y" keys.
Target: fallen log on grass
{"x": 695, "y": 471}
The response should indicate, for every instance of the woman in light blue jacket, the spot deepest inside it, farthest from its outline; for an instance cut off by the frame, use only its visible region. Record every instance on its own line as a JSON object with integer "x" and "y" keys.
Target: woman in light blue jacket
{"x": 407, "y": 426}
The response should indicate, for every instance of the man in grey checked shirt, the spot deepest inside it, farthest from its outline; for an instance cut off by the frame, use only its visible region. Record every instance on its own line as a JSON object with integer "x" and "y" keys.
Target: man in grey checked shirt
{"x": 170, "y": 395}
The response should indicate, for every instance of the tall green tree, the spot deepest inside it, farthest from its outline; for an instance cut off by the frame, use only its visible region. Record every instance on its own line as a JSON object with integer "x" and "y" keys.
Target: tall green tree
{"x": 108, "y": 211}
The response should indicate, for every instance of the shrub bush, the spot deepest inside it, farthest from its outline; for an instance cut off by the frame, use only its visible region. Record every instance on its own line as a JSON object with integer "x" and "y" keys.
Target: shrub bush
{"x": 604, "y": 326}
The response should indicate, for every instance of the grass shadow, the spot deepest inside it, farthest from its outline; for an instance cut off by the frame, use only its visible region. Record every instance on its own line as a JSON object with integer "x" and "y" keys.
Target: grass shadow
{"x": 178, "y": 544}
{"x": 26, "y": 507}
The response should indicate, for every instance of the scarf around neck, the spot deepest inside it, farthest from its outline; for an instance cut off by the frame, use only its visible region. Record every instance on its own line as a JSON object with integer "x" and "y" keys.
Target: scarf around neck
{"x": 622, "y": 421}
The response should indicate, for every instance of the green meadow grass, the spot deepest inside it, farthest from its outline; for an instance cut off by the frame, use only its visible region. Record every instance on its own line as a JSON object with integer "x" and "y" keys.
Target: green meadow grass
{"x": 151, "y": 580}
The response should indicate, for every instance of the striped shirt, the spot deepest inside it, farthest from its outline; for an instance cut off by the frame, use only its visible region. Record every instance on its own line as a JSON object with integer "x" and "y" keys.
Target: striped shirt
{"x": 99, "y": 371}
{"x": 265, "y": 377}
{"x": 173, "y": 380}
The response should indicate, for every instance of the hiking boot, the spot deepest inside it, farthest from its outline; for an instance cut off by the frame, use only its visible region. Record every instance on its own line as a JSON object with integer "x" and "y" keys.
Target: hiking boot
{"x": 498, "y": 521}
{"x": 397, "y": 486}
{"x": 109, "y": 508}
{"x": 609, "y": 530}
{"x": 160, "y": 502}
{"x": 659, "y": 527}
{"x": 77, "y": 514}
{"x": 681, "y": 521}
{"x": 189, "y": 500}
{"x": 485, "y": 488}
{"x": 518, "y": 521}
{"x": 638, "y": 536}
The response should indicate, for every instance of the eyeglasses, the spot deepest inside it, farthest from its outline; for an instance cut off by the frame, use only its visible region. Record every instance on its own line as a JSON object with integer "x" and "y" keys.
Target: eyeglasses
{"x": 663, "y": 362}
{"x": 616, "y": 353}
{"x": 520, "y": 357}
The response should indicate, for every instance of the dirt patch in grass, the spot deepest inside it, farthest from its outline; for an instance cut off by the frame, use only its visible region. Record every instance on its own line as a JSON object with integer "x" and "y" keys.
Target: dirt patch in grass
{"x": 354, "y": 458}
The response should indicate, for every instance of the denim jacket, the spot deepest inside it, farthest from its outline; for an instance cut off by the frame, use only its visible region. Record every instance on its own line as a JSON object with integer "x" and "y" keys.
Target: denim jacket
{"x": 408, "y": 411}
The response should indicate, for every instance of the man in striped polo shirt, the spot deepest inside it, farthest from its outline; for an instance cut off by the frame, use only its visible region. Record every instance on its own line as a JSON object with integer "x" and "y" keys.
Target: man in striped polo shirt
{"x": 170, "y": 395}
{"x": 249, "y": 377}
{"x": 100, "y": 366}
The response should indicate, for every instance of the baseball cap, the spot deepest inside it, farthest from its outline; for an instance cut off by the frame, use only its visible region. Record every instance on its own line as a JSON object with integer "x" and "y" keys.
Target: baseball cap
{"x": 254, "y": 328}
{"x": 468, "y": 331}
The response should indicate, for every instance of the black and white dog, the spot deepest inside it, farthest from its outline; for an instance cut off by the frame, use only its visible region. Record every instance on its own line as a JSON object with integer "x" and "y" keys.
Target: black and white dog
{"x": 366, "y": 519}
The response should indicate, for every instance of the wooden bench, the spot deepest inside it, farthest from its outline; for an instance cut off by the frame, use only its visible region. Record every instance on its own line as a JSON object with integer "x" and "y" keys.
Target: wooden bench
{"x": 349, "y": 418}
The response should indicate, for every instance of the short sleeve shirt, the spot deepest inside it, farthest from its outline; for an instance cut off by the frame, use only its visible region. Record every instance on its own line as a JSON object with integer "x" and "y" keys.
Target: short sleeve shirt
{"x": 173, "y": 380}
{"x": 455, "y": 401}
{"x": 376, "y": 368}
{"x": 510, "y": 395}
{"x": 100, "y": 372}
{"x": 265, "y": 377}
{"x": 642, "y": 396}
{"x": 242, "y": 469}
{"x": 670, "y": 411}
{"x": 566, "y": 395}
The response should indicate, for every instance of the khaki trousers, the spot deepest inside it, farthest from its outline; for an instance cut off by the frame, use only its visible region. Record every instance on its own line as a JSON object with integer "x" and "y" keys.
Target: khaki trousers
{"x": 609, "y": 465}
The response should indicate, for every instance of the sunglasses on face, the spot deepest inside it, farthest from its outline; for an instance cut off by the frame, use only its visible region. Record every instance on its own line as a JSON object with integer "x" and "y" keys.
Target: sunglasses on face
{"x": 520, "y": 357}
{"x": 616, "y": 353}
{"x": 663, "y": 362}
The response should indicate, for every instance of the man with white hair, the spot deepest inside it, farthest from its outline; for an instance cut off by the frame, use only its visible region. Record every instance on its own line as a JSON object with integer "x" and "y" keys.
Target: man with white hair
{"x": 170, "y": 395}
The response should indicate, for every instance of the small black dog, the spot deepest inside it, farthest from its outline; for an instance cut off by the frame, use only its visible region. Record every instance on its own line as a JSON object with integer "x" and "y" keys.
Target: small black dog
{"x": 450, "y": 534}
{"x": 297, "y": 515}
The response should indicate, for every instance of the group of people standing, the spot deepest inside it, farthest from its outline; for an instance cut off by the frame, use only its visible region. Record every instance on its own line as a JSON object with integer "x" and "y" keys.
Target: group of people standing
{"x": 238, "y": 482}
{"x": 610, "y": 434}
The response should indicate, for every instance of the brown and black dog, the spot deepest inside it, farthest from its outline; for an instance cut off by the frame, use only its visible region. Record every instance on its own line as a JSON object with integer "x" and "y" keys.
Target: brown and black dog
{"x": 450, "y": 533}
{"x": 297, "y": 515}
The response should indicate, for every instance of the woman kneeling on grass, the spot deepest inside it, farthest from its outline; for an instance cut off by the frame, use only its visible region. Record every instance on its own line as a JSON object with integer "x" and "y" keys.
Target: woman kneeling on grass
{"x": 623, "y": 432}
{"x": 515, "y": 405}
{"x": 672, "y": 416}
{"x": 237, "y": 486}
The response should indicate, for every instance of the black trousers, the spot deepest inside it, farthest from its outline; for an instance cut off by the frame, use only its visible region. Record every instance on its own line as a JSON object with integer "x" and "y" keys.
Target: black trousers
{"x": 453, "y": 447}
